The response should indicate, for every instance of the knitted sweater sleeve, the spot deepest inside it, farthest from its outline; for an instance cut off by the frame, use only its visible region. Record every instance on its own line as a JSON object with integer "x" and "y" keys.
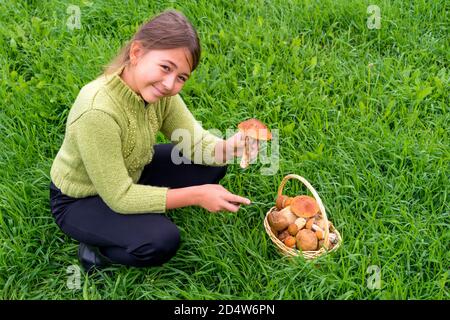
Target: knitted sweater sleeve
{"x": 180, "y": 126}
{"x": 97, "y": 137}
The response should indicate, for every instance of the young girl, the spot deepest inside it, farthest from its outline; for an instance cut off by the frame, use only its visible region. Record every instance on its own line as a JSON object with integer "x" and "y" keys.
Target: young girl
{"x": 110, "y": 180}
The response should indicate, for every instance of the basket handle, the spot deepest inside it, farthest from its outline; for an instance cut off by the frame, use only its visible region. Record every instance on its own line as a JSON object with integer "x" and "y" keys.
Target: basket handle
{"x": 316, "y": 196}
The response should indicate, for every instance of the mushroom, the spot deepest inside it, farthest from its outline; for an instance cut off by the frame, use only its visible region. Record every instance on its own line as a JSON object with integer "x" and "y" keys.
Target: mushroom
{"x": 293, "y": 229}
{"x": 315, "y": 227}
{"x": 320, "y": 234}
{"x": 309, "y": 223}
{"x": 252, "y": 129}
{"x": 279, "y": 203}
{"x": 274, "y": 221}
{"x": 304, "y": 206}
{"x": 283, "y": 235}
{"x": 321, "y": 223}
{"x": 280, "y": 220}
{"x": 300, "y": 222}
{"x": 290, "y": 241}
{"x": 306, "y": 240}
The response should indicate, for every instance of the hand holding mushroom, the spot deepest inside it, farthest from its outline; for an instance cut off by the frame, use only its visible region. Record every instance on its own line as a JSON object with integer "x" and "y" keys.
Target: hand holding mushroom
{"x": 245, "y": 143}
{"x": 235, "y": 147}
{"x": 252, "y": 131}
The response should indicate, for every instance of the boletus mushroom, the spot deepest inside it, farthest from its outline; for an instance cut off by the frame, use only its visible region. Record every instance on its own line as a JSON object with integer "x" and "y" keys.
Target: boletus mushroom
{"x": 320, "y": 221}
{"x": 300, "y": 222}
{"x": 280, "y": 220}
{"x": 252, "y": 129}
{"x": 293, "y": 229}
{"x": 282, "y": 202}
{"x": 279, "y": 202}
{"x": 320, "y": 234}
{"x": 304, "y": 206}
{"x": 309, "y": 223}
{"x": 306, "y": 240}
{"x": 290, "y": 241}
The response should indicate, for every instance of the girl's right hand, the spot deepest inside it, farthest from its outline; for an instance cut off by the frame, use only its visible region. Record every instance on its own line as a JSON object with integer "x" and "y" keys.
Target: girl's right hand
{"x": 235, "y": 146}
{"x": 214, "y": 198}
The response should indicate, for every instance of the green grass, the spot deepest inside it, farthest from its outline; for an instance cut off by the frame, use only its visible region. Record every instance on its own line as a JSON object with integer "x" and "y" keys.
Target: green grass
{"x": 373, "y": 141}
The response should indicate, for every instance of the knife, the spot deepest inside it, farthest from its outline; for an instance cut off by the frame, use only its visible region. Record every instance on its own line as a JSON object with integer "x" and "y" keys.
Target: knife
{"x": 251, "y": 203}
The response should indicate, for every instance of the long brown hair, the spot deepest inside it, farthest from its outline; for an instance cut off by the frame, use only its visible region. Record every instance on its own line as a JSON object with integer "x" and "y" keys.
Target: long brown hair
{"x": 168, "y": 30}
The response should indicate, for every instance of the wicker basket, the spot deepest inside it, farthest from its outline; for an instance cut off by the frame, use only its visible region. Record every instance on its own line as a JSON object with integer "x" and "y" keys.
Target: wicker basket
{"x": 295, "y": 252}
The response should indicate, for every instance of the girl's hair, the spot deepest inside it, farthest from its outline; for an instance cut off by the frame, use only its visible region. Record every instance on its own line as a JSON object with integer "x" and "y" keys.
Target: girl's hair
{"x": 168, "y": 30}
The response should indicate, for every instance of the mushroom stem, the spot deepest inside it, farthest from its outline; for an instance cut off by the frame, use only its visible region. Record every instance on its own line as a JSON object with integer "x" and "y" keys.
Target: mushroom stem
{"x": 315, "y": 227}
{"x": 245, "y": 155}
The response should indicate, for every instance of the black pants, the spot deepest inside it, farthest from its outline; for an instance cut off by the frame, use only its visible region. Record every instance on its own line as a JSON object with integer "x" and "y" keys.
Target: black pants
{"x": 132, "y": 239}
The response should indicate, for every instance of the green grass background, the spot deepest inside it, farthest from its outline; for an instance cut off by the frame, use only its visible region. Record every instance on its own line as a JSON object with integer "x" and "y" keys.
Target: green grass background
{"x": 373, "y": 141}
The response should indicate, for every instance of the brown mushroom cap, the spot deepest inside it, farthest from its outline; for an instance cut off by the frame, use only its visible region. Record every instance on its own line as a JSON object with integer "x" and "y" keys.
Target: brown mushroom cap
{"x": 304, "y": 206}
{"x": 255, "y": 129}
{"x": 293, "y": 229}
{"x": 290, "y": 241}
{"x": 306, "y": 240}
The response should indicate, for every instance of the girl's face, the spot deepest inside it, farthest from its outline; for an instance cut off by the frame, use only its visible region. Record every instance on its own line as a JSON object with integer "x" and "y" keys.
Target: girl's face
{"x": 157, "y": 73}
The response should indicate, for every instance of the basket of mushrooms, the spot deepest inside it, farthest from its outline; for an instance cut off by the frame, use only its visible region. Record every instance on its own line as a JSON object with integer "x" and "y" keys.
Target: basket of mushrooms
{"x": 299, "y": 225}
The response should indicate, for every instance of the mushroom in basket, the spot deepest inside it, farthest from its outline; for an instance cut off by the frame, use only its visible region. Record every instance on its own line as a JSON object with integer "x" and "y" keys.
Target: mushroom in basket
{"x": 252, "y": 129}
{"x": 304, "y": 206}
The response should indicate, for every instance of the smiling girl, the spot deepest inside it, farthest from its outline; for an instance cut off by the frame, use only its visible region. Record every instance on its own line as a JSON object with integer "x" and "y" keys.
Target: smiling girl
{"x": 111, "y": 182}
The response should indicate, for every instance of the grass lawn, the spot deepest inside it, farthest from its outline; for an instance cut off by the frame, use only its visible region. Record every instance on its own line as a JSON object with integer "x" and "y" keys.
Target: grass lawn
{"x": 362, "y": 113}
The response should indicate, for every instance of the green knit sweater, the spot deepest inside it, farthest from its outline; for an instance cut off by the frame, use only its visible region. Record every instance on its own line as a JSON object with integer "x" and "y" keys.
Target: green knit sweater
{"x": 109, "y": 138}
